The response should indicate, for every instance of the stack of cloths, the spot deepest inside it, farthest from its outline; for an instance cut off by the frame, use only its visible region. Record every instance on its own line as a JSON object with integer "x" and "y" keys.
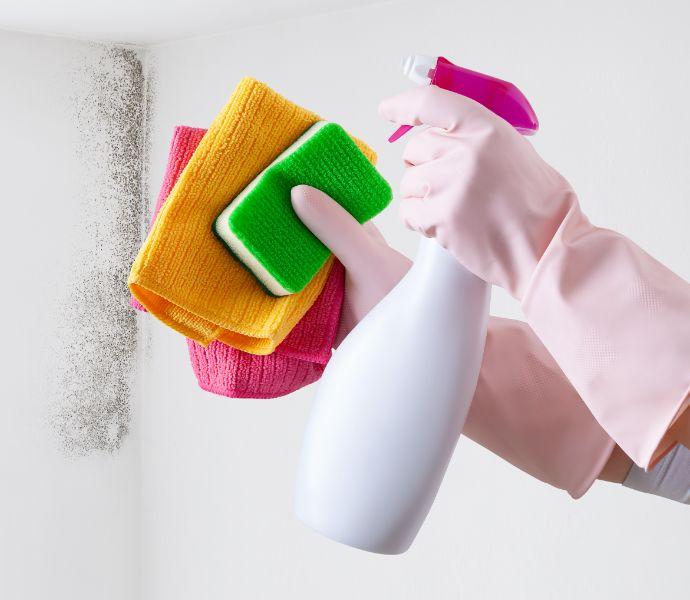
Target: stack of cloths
{"x": 182, "y": 274}
{"x": 299, "y": 359}
{"x": 243, "y": 342}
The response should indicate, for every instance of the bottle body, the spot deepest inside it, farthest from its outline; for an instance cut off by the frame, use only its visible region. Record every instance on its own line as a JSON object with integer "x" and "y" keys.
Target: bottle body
{"x": 391, "y": 405}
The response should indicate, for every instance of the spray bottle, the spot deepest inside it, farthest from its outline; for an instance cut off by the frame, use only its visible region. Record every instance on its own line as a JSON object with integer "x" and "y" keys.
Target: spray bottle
{"x": 501, "y": 97}
{"x": 392, "y": 402}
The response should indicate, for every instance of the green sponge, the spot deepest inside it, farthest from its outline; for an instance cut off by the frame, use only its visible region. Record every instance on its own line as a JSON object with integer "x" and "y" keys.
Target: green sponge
{"x": 260, "y": 226}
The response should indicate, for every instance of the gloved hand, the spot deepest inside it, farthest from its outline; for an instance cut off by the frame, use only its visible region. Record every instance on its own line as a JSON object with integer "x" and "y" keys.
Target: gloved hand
{"x": 299, "y": 359}
{"x": 372, "y": 267}
{"x": 477, "y": 186}
{"x": 524, "y": 408}
{"x": 616, "y": 320}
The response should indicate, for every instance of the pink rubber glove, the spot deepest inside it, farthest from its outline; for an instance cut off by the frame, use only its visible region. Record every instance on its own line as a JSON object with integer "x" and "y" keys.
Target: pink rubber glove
{"x": 616, "y": 320}
{"x": 524, "y": 409}
{"x": 372, "y": 267}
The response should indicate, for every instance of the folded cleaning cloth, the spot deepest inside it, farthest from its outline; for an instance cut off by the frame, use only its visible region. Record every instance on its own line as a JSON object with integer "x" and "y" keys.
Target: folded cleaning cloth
{"x": 298, "y": 361}
{"x": 183, "y": 275}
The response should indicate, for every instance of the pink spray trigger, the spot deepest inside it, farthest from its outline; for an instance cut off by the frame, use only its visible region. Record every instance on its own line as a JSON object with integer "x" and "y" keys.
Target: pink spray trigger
{"x": 399, "y": 132}
{"x": 501, "y": 97}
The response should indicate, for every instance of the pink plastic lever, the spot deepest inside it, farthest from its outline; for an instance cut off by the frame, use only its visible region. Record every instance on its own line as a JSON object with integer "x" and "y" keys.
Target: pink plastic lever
{"x": 501, "y": 97}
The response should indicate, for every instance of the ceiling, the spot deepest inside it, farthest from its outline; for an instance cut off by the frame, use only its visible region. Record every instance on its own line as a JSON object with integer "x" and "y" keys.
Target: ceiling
{"x": 154, "y": 21}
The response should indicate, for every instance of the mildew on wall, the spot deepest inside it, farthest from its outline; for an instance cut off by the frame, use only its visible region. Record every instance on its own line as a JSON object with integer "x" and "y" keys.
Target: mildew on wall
{"x": 98, "y": 338}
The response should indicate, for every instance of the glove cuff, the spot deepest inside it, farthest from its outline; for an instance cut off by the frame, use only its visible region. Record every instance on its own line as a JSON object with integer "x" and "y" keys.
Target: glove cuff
{"x": 616, "y": 321}
{"x": 526, "y": 411}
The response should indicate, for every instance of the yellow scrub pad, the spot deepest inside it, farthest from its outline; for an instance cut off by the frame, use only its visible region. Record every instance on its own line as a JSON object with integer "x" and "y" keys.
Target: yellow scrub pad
{"x": 183, "y": 275}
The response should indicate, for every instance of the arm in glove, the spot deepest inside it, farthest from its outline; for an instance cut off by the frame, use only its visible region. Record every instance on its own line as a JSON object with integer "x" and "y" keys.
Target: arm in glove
{"x": 616, "y": 320}
{"x": 524, "y": 409}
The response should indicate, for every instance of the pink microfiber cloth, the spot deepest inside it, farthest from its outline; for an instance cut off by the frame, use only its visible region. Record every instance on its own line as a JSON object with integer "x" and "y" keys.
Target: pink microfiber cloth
{"x": 298, "y": 361}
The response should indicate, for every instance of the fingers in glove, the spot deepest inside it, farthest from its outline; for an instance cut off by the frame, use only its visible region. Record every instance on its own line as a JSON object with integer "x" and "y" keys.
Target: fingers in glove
{"x": 415, "y": 215}
{"x": 333, "y": 225}
{"x": 434, "y": 106}
{"x": 427, "y": 145}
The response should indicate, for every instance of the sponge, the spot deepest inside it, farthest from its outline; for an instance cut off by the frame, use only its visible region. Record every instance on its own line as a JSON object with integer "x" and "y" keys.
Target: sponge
{"x": 260, "y": 227}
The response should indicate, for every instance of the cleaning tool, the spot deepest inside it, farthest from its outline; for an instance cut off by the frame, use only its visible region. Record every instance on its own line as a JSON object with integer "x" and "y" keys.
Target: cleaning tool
{"x": 501, "y": 97}
{"x": 298, "y": 361}
{"x": 391, "y": 405}
{"x": 183, "y": 144}
{"x": 227, "y": 371}
{"x": 301, "y": 356}
{"x": 524, "y": 409}
{"x": 183, "y": 275}
{"x": 260, "y": 227}
{"x": 616, "y": 320}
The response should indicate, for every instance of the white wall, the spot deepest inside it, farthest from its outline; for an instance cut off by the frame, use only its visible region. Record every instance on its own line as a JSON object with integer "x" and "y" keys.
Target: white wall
{"x": 610, "y": 84}
{"x": 69, "y": 459}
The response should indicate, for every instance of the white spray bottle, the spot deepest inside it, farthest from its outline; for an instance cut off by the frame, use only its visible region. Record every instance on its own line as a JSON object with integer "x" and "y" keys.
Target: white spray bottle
{"x": 392, "y": 402}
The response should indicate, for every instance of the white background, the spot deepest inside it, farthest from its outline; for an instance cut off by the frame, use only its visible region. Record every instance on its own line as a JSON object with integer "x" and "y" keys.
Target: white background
{"x": 68, "y": 526}
{"x": 203, "y": 498}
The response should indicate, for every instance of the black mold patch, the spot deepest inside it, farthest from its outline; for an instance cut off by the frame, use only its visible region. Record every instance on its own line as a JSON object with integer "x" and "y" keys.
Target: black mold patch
{"x": 98, "y": 336}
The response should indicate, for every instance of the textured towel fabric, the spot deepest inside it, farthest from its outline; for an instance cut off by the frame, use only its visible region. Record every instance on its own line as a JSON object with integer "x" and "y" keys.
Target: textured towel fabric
{"x": 184, "y": 142}
{"x": 226, "y": 371}
{"x": 183, "y": 275}
{"x": 260, "y": 226}
{"x": 298, "y": 361}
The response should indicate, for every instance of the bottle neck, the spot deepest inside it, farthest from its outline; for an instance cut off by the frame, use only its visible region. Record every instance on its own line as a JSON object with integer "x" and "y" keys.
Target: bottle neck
{"x": 437, "y": 262}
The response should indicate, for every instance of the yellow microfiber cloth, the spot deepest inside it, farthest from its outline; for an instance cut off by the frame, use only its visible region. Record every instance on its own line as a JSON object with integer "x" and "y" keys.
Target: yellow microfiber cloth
{"x": 183, "y": 275}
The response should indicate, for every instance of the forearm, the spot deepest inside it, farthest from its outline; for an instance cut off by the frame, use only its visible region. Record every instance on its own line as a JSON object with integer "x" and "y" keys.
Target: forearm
{"x": 618, "y": 323}
{"x": 617, "y": 467}
{"x": 526, "y": 411}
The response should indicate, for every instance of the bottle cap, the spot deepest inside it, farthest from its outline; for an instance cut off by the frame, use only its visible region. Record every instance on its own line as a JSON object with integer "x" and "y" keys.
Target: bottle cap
{"x": 416, "y": 67}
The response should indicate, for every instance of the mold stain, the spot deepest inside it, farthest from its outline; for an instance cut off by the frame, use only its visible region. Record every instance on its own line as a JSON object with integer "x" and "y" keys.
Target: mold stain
{"x": 98, "y": 338}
